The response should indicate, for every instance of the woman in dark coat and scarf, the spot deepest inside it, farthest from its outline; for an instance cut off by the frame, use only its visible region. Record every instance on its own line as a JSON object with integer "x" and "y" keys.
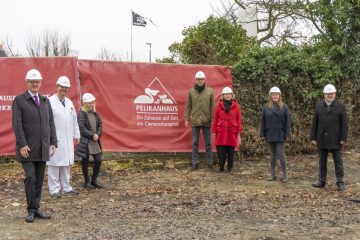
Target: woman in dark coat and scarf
{"x": 90, "y": 126}
{"x": 275, "y": 129}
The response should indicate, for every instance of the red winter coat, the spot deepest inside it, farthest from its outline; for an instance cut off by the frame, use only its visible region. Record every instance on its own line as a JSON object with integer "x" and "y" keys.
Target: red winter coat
{"x": 227, "y": 126}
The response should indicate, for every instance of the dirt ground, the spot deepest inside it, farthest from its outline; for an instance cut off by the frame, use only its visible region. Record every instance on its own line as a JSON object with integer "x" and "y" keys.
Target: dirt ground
{"x": 182, "y": 204}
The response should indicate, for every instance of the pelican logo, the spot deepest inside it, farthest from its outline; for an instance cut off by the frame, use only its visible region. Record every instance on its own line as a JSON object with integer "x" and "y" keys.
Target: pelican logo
{"x": 157, "y": 107}
{"x": 153, "y": 97}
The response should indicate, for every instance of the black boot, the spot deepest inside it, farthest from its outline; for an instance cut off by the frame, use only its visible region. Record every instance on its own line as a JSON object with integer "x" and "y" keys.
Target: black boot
{"x": 221, "y": 164}
{"x": 96, "y": 185}
{"x": 272, "y": 169}
{"x": 319, "y": 184}
{"x": 85, "y": 171}
{"x": 195, "y": 167}
{"x": 340, "y": 185}
{"x": 87, "y": 185}
{"x": 284, "y": 171}
{"x": 222, "y": 157}
{"x": 96, "y": 170}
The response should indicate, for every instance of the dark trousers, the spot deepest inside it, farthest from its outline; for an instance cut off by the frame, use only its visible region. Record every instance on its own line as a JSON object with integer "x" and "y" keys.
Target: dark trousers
{"x": 195, "y": 144}
{"x": 338, "y": 162}
{"x": 34, "y": 177}
{"x": 223, "y": 152}
{"x": 96, "y": 168}
{"x": 277, "y": 150}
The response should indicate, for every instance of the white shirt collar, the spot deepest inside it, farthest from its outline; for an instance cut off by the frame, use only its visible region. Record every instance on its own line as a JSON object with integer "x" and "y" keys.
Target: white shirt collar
{"x": 328, "y": 103}
{"x": 32, "y": 95}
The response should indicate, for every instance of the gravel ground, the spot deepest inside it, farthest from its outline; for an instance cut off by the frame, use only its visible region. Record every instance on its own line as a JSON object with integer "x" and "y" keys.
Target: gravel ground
{"x": 182, "y": 204}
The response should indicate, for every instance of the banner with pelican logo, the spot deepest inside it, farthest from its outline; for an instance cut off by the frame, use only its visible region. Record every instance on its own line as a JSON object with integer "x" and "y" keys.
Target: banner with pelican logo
{"x": 142, "y": 105}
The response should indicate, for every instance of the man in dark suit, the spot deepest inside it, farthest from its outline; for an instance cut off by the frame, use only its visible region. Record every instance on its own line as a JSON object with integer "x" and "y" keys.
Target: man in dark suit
{"x": 329, "y": 133}
{"x": 34, "y": 129}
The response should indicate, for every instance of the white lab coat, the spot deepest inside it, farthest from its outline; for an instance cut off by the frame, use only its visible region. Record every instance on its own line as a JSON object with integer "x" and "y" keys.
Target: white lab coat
{"x": 67, "y": 129}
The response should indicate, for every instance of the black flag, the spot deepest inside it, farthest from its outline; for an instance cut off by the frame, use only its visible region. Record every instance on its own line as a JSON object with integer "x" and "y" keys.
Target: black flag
{"x": 138, "y": 20}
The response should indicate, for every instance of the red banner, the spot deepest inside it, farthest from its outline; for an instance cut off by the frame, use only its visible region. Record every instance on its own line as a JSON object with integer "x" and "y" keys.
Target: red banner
{"x": 142, "y": 105}
{"x": 12, "y": 83}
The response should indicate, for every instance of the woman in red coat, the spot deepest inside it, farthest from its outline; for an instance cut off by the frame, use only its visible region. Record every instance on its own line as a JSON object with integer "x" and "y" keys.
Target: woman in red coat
{"x": 227, "y": 126}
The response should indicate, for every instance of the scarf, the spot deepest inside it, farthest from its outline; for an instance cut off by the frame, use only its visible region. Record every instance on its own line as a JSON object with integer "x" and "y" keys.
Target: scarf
{"x": 199, "y": 88}
{"x": 227, "y": 105}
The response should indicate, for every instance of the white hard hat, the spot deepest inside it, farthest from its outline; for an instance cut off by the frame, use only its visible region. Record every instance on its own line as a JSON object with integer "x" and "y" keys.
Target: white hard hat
{"x": 33, "y": 74}
{"x": 274, "y": 90}
{"x": 63, "y": 81}
{"x": 200, "y": 75}
{"x": 226, "y": 90}
{"x": 88, "y": 97}
{"x": 329, "y": 89}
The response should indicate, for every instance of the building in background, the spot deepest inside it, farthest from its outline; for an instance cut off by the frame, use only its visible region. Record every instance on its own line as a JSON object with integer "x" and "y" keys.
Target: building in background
{"x": 248, "y": 20}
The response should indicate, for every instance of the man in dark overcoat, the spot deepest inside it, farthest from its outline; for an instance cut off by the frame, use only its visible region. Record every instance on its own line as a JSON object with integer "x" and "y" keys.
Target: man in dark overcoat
{"x": 34, "y": 128}
{"x": 329, "y": 133}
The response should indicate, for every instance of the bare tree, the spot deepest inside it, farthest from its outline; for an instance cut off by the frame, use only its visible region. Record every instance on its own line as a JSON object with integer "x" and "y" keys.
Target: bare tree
{"x": 49, "y": 44}
{"x": 65, "y": 46}
{"x": 278, "y": 21}
{"x": 106, "y": 54}
{"x": 2, "y": 51}
{"x": 46, "y": 41}
{"x": 7, "y": 46}
{"x": 33, "y": 46}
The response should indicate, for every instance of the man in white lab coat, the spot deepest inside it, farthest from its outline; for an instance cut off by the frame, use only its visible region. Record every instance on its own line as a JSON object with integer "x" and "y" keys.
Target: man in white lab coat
{"x": 67, "y": 128}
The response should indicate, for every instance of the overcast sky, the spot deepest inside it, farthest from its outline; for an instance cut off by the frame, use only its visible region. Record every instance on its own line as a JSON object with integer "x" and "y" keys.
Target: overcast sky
{"x": 94, "y": 24}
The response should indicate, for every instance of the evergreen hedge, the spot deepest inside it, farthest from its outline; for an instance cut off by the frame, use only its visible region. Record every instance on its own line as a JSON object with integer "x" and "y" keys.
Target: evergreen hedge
{"x": 300, "y": 73}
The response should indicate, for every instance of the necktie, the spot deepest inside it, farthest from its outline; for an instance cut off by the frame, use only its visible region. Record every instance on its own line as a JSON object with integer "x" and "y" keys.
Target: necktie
{"x": 63, "y": 102}
{"x": 37, "y": 102}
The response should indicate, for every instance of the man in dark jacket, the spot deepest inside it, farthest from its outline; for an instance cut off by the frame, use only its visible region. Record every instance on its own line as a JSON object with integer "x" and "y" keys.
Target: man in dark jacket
{"x": 329, "y": 132}
{"x": 34, "y": 129}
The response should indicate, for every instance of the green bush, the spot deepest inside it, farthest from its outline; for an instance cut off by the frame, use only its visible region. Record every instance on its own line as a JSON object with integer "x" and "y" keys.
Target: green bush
{"x": 300, "y": 73}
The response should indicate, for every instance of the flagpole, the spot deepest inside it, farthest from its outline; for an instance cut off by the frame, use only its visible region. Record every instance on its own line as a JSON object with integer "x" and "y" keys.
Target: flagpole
{"x": 132, "y": 20}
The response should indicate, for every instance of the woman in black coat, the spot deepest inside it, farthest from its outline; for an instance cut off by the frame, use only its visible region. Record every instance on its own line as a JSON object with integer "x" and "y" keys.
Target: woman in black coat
{"x": 275, "y": 129}
{"x": 90, "y": 126}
